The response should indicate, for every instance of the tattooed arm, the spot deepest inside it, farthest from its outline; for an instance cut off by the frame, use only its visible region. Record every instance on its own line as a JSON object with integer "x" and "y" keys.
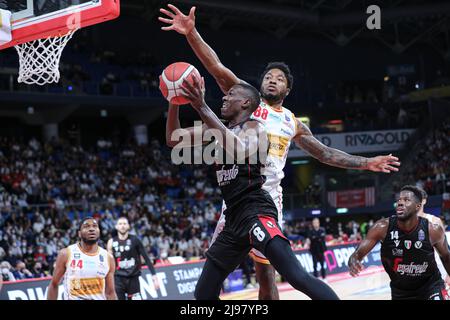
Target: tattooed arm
{"x": 337, "y": 158}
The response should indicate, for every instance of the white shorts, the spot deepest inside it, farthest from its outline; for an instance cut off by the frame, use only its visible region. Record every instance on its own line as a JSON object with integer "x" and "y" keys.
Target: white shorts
{"x": 255, "y": 254}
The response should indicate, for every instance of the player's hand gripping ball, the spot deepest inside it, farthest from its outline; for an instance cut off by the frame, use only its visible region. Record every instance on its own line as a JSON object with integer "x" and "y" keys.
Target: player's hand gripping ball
{"x": 171, "y": 80}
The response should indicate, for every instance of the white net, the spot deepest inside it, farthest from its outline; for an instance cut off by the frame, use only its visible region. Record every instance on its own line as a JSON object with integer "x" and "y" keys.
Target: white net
{"x": 39, "y": 59}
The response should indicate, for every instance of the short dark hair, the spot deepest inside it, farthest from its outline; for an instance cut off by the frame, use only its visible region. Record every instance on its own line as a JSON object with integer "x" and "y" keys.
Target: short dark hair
{"x": 84, "y": 220}
{"x": 253, "y": 95}
{"x": 283, "y": 67}
{"x": 415, "y": 190}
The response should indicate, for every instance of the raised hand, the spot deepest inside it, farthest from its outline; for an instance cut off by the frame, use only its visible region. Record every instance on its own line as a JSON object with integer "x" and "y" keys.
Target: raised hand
{"x": 385, "y": 164}
{"x": 178, "y": 21}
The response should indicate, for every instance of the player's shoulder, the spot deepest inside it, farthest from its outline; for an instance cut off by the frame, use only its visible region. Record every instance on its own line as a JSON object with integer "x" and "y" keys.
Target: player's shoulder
{"x": 71, "y": 248}
{"x": 436, "y": 226}
{"x": 382, "y": 224}
{"x": 432, "y": 219}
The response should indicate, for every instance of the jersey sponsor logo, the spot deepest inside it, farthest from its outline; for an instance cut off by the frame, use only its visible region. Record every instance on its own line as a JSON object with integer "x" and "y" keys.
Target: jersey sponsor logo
{"x": 289, "y": 125}
{"x": 126, "y": 264}
{"x": 225, "y": 176}
{"x": 270, "y": 224}
{"x": 86, "y": 286}
{"x": 274, "y": 117}
{"x": 410, "y": 269}
{"x": 76, "y": 255}
{"x": 288, "y": 119}
{"x": 288, "y": 132}
{"x": 101, "y": 273}
{"x": 421, "y": 235}
{"x": 397, "y": 242}
{"x": 277, "y": 145}
{"x": 408, "y": 244}
{"x": 101, "y": 258}
{"x": 397, "y": 252}
{"x": 418, "y": 244}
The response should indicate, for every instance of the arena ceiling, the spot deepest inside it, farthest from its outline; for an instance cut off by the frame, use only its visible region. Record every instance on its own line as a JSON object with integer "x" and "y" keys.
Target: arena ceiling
{"x": 404, "y": 22}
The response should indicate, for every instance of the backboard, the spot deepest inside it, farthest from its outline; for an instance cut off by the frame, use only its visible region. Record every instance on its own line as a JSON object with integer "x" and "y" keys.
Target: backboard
{"x": 37, "y": 19}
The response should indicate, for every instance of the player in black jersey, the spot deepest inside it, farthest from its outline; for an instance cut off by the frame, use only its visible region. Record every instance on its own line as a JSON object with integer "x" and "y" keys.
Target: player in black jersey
{"x": 127, "y": 251}
{"x": 251, "y": 213}
{"x": 407, "y": 250}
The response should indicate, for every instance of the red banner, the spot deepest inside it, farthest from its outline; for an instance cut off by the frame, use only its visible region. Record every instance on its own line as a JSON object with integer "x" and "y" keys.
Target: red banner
{"x": 352, "y": 198}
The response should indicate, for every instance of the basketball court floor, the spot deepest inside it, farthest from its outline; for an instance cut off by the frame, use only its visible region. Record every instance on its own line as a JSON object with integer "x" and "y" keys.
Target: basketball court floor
{"x": 371, "y": 284}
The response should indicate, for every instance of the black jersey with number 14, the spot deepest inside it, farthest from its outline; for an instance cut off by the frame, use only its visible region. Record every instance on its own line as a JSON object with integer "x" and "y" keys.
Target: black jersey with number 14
{"x": 408, "y": 257}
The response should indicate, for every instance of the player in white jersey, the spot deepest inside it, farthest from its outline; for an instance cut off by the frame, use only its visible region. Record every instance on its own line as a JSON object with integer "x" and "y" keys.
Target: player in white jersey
{"x": 282, "y": 127}
{"x": 88, "y": 269}
{"x": 435, "y": 220}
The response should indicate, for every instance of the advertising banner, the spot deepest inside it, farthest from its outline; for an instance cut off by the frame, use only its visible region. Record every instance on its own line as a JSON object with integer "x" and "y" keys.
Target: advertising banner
{"x": 361, "y": 142}
{"x": 178, "y": 281}
{"x": 352, "y": 198}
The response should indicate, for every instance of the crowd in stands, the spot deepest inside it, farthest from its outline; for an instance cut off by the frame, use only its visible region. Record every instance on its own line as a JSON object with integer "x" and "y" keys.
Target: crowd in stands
{"x": 430, "y": 168}
{"x": 47, "y": 188}
{"x": 338, "y": 231}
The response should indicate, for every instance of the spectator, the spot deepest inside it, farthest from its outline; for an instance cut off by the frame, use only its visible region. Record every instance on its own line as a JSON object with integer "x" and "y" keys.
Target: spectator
{"x": 21, "y": 272}
{"x": 7, "y": 271}
{"x": 38, "y": 271}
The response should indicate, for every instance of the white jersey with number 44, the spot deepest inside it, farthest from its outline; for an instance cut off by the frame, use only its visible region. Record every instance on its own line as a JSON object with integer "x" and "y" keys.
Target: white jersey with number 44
{"x": 85, "y": 274}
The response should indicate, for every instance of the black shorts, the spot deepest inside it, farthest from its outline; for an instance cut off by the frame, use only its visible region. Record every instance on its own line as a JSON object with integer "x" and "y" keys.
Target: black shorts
{"x": 127, "y": 288}
{"x": 237, "y": 239}
{"x": 435, "y": 291}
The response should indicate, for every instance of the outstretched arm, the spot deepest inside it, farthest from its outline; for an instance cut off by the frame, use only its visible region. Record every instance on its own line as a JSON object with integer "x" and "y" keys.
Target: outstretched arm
{"x": 186, "y": 25}
{"x": 375, "y": 234}
{"x": 337, "y": 158}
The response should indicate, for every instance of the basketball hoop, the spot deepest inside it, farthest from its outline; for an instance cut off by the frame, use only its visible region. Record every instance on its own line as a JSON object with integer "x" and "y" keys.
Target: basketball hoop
{"x": 39, "y": 59}
{"x": 41, "y": 34}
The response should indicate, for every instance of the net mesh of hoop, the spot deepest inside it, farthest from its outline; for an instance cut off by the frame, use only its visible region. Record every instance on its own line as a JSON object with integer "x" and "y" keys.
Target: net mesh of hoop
{"x": 39, "y": 59}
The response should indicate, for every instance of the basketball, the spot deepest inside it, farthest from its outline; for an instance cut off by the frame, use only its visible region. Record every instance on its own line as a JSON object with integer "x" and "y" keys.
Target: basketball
{"x": 171, "y": 80}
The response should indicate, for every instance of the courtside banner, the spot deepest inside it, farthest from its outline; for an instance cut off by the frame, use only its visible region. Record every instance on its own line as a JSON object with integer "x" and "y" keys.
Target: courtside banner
{"x": 336, "y": 258}
{"x": 361, "y": 142}
{"x": 178, "y": 281}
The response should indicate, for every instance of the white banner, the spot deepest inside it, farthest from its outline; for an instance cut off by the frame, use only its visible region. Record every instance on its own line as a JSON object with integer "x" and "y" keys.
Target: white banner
{"x": 5, "y": 27}
{"x": 361, "y": 142}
